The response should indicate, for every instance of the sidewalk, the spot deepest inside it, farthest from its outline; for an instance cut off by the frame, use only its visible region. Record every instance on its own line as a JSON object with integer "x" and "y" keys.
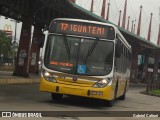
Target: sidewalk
{"x": 6, "y": 77}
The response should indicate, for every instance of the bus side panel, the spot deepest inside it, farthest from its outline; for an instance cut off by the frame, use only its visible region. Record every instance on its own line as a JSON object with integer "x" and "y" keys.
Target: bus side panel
{"x": 121, "y": 81}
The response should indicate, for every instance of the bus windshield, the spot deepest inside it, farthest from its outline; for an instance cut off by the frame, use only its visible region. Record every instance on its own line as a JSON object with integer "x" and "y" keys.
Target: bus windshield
{"x": 79, "y": 56}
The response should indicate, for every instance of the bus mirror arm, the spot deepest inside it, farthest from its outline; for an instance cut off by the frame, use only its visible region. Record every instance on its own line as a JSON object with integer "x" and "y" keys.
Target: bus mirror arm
{"x": 91, "y": 49}
{"x": 118, "y": 50}
{"x": 67, "y": 46}
{"x": 41, "y": 42}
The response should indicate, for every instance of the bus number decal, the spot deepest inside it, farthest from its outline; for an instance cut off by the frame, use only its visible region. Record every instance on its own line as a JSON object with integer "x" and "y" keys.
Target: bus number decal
{"x": 64, "y": 26}
{"x": 83, "y": 29}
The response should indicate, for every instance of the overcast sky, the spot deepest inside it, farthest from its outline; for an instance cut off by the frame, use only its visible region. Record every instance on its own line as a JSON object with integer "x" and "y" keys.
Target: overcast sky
{"x": 133, "y": 9}
{"x": 11, "y": 22}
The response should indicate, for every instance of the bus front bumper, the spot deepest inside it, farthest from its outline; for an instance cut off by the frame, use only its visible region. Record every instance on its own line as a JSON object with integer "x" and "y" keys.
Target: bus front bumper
{"x": 105, "y": 93}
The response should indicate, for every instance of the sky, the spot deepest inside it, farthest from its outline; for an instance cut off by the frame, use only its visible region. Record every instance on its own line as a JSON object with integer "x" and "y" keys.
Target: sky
{"x": 133, "y": 10}
{"x": 11, "y": 22}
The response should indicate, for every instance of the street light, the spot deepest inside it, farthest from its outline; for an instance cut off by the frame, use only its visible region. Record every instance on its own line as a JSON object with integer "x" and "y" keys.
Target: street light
{"x": 15, "y": 30}
{"x": 14, "y": 43}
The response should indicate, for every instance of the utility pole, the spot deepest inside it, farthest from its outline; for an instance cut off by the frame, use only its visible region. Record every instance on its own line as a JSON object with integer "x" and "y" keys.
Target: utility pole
{"x": 103, "y": 9}
{"x": 158, "y": 40}
{"x": 132, "y": 26}
{"x": 92, "y": 3}
{"x": 119, "y": 21}
{"x": 150, "y": 25}
{"x": 107, "y": 17}
{"x": 128, "y": 23}
{"x": 139, "y": 22}
{"x": 124, "y": 15}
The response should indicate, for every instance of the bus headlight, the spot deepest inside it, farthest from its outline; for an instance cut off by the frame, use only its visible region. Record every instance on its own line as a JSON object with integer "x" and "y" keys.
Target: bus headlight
{"x": 102, "y": 83}
{"x": 47, "y": 76}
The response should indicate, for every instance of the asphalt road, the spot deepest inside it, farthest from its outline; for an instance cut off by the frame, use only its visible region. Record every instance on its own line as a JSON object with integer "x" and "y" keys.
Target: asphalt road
{"x": 26, "y": 97}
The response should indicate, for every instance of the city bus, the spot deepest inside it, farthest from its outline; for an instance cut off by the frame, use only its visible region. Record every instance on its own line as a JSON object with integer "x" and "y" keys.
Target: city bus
{"x": 87, "y": 59}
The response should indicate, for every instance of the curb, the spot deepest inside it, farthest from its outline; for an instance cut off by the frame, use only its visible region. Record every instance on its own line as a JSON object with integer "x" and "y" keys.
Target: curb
{"x": 6, "y": 77}
{"x": 18, "y": 81}
{"x": 146, "y": 93}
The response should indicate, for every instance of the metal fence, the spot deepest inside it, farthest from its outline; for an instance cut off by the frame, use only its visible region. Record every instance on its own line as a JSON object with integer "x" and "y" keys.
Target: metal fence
{"x": 6, "y": 64}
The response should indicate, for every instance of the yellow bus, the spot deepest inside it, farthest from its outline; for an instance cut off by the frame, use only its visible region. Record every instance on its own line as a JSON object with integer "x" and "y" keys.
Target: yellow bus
{"x": 85, "y": 58}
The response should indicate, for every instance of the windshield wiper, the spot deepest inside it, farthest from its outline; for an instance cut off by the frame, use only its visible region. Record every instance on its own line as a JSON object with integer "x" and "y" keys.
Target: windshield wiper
{"x": 90, "y": 50}
{"x": 67, "y": 47}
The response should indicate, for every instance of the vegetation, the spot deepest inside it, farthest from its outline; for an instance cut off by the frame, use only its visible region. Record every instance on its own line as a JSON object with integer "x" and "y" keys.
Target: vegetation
{"x": 5, "y": 46}
{"x": 157, "y": 92}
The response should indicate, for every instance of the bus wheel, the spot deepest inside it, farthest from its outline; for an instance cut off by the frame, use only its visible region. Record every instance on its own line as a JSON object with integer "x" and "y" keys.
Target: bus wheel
{"x": 123, "y": 96}
{"x": 56, "y": 96}
{"x": 108, "y": 103}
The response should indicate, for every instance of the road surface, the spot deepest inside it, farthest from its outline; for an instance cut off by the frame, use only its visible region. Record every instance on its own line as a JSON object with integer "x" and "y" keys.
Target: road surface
{"x": 26, "y": 97}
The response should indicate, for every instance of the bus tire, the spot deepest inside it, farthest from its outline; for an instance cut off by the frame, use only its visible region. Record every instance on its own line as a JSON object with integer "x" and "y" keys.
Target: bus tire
{"x": 109, "y": 103}
{"x": 124, "y": 94}
{"x": 56, "y": 96}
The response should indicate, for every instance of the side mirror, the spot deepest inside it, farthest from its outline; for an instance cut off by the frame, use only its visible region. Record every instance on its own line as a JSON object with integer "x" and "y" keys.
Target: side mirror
{"x": 41, "y": 43}
{"x": 118, "y": 50}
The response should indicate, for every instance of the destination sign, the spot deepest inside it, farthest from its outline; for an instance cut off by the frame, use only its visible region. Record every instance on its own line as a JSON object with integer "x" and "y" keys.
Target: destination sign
{"x": 83, "y": 29}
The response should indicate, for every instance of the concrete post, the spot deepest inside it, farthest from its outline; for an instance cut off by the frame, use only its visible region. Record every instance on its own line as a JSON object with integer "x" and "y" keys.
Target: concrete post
{"x": 22, "y": 61}
{"x": 145, "y": 70}
{"x": 35, "y": 50}
{"x": 155, "y": 68}
{"x": 134, "y": 64}
{"x": 155, "y": 71}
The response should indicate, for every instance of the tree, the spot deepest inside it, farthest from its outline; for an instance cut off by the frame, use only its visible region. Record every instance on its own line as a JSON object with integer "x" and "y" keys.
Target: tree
{"x": 5, "y": 45}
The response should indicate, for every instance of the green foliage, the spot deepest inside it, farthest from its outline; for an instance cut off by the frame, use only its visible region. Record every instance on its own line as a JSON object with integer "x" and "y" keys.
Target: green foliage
{"x": 5, "y": 45}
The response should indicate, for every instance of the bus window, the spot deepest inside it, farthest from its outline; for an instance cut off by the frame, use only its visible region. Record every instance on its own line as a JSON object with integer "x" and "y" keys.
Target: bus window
{"x": 100, "y": 60}
{"x": 96, "y": 56}
{"x": 57, "y": 56}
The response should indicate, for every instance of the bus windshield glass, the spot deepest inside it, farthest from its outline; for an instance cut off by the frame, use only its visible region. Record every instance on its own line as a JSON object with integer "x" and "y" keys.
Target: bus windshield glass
{"x": 79, "y": 56}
